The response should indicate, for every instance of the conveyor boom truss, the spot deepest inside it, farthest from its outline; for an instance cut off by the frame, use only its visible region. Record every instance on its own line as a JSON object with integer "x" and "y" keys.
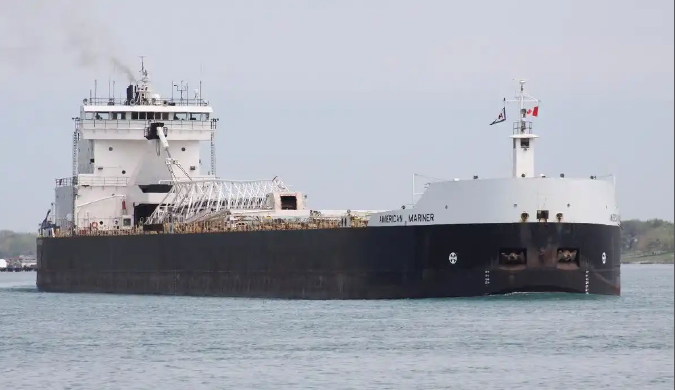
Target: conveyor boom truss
{"x": 200, "y": 200}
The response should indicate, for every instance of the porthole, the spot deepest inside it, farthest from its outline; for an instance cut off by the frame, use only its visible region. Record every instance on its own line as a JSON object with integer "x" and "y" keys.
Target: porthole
{"x": 182, "y": 149}
{"x": 100, "y": 223}
{"x": 110, "y": 148}
{"x": 124, "y": 172}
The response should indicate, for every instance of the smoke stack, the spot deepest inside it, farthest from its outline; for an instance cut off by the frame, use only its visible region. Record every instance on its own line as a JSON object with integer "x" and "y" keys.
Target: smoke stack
{"x": 130, "y": 94}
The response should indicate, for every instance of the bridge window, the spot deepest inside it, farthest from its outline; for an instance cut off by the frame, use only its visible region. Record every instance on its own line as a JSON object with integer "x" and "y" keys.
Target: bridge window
{"x": 165, "y": 116}
{"x": 119, "y": 115}
{"x": 88, "y": 115}
{"x": 151, "y": 115}
{"x": 142, "y": 115}
{"x": 198, "y": 116}
{"x": 134, "y": 116}
{"x": 180, "y": 116}
{"x": 102, "y": 116}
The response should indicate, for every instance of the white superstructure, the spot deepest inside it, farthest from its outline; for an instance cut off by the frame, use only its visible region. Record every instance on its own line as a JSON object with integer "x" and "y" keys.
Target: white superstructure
{"x": 137, "y": 161}
{"x": 116, "y": 169}
{"x": 523, "y": 138}
{"x": 524, "y": 198}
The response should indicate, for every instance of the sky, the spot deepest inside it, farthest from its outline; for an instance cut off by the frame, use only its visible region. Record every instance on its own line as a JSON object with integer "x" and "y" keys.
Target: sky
{"x": 345, "y": 100}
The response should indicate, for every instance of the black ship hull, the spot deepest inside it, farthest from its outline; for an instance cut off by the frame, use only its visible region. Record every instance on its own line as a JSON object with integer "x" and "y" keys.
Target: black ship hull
{"x": 347, "y": 263}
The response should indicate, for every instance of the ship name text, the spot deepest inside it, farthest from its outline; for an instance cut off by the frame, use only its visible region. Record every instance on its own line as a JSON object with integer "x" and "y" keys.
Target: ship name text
{"x": 394, "y": 218}
{"x": 429, "y": 217}
{"x": 391, "y": 218}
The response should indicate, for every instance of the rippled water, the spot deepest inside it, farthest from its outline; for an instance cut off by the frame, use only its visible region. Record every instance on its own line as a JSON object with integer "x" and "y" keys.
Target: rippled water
{"x": 529, "y": 341}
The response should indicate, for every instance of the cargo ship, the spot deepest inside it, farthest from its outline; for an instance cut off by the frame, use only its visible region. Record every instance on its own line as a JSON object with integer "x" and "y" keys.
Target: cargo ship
{"x": 138, "y": 215}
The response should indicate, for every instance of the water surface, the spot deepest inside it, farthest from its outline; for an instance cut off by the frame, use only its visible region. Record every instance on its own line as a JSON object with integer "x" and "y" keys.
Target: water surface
{"x": 520, "y": 341}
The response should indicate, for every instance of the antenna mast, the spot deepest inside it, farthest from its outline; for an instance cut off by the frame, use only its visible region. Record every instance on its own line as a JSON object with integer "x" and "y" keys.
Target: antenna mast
{"x": 113, "y": 80}
{"x": 523, "y": 138}
{"x": 182, "y": 88}
{"x": 144, "y": 73}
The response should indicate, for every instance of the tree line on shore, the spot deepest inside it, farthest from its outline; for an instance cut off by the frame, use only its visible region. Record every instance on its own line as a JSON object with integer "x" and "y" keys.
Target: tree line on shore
{"x": 651, "y": 237}
{"x": 13, "y": 244}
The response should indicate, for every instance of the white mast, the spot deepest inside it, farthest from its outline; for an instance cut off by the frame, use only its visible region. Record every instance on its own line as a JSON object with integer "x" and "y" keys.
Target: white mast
{"x": 523, "y": 138}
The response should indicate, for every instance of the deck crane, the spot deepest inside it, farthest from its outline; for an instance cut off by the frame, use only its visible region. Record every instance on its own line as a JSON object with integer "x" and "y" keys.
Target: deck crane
{"x": 47, "y": 226}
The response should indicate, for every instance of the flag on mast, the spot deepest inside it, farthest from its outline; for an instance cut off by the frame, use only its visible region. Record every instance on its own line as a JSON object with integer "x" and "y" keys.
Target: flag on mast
{"x": 534, "y": 111}
{"x": 500, "y": 118}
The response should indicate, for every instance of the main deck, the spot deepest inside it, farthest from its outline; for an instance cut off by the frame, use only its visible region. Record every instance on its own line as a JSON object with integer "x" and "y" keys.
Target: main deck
{"x": 215, "y": 227}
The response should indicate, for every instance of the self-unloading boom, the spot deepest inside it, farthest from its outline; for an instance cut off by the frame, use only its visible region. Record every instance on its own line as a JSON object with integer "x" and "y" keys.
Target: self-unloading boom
{"x": 158, "y": 129}
{"x": 192, "y": 200}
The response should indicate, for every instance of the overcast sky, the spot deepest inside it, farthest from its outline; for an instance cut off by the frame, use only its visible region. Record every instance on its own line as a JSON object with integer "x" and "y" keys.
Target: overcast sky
{"x": 346, "y": 99}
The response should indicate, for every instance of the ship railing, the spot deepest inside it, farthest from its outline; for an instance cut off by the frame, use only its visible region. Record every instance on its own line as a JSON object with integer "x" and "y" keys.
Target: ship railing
{"x": 522, "y": 128}
{"x": 106, "y": 229}
{"x": 104, "y": 224}
{"x": 132, "y": 124}
{"x": 93, "y": 181}
{"x": 97, "y": 101}
{"x": 102, "y": 181}
{"x": 64, "y": 227}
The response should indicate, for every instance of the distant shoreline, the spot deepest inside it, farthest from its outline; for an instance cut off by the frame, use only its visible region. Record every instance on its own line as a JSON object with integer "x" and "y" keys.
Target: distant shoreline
{"x": 662, "y": 258}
